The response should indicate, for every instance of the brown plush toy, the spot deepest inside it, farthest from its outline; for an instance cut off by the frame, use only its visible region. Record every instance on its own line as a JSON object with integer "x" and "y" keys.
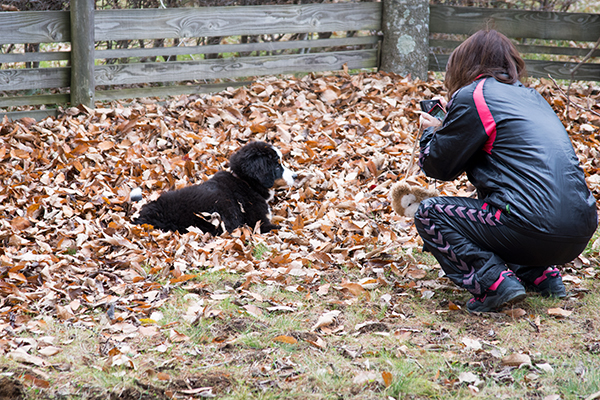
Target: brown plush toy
{"x": 406, "y": 198}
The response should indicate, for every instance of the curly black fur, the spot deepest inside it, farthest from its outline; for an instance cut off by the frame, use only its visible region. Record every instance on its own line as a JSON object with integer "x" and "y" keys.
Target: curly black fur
{"x": 238, "y": 197}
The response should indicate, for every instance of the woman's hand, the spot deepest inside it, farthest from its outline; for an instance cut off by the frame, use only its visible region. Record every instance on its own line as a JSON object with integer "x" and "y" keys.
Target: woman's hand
{"x": 427, "y": 120}
{"x": 442, "y": 100}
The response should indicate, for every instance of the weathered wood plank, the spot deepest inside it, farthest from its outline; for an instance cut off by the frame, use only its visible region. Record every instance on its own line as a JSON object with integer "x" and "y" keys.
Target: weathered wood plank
{"x": 525, "y": 49}
{"x": 44, "y": 78}
{"x": 536, "y": 68}
{"x": 555, "y": 50}
{"x": 516, "y": 23}
{"x": 189, "y": 50}
{"x": 34, "y": 78}
{"x": 35, "y": 114}
{"x": 237, "y": 48}
{"x": 32, "y": 57}
{"x": 559, "y": 70}
{"x": 34, "y": 100}
{"x": 233, "y": 21}
{"x": 162, "y": 92}
{"x": 34, "y": 27}
{"x": 53, "y": 26}
{"x": 233, "y": 67}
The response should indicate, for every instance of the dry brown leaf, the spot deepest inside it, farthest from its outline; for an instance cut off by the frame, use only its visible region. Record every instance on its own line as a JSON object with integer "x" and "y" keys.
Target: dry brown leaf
{"x": 387, "y": 378}
{"x": 106, "y": 145}
{"x": 515, "y": 312}
{"x": 24, "y": 357}
{"x": 285, "y": 339}
{"x": 516, "y": 360}
{"x": 329, "y": 96}
{"x": 183, "y": 278}
{"x": 326, "y": 319}
{"x": 49, "y": 351}
{"x": 20, "y": 223}
{"x": 318, "y": 343}
{"x": 416, "y": 273}
{"x": 559, "y": 312}
{"x": 175, "y": 336}
{"x": 354, "y": 288}
{"x": 364, "y": 377}
{"x": 253, "y": 310}
{"x": 323, "y": 289}
{"x": 37, "y": 382}
{"x": 162, "y": 376}
{"x": 64, "y": 313}
{"x": 593, "y": 396}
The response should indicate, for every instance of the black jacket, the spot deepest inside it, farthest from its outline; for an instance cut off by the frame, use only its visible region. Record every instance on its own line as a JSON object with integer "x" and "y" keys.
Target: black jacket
{"x": 517, "y": 154}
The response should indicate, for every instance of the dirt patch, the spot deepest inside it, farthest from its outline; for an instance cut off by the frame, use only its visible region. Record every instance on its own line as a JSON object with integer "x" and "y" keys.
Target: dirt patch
{"x": 374, "y": 327}
{"x": 145, "y": 392}
{"x": 218, "y": 381}
{"x": 11, "y": 389}
{"x": 135, "y": 394}
{"x": 481, "y": 328}
{"x": 236, "y": 326}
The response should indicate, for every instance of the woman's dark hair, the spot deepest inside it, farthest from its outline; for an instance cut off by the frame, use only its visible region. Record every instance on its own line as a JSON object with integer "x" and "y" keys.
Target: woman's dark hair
{"x": 485, "y": 53}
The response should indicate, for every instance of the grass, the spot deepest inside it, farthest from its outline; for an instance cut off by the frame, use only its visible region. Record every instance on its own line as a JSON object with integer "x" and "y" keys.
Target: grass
{"x": 260, "y": 250}
{"x": 422, "y": 354}
{"x": 387, "y": 342}
{"x": 593, "y": 246}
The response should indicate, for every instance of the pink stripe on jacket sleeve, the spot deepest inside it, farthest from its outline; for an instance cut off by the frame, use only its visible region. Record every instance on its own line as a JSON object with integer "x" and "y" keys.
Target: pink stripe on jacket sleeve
{"x": 486, "y": 117}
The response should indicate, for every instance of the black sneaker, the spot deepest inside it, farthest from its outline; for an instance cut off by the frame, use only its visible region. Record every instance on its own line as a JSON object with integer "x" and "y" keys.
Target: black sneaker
{"x": 507, "y": 289}
{"x": 549, "y": 284}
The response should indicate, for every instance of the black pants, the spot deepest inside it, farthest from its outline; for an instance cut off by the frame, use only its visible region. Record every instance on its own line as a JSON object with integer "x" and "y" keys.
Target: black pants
{"x": 473, "y": 245}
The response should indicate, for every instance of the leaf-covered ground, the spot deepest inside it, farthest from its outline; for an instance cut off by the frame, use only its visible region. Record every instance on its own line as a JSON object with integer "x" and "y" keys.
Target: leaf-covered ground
{"x": 92, "y": 306}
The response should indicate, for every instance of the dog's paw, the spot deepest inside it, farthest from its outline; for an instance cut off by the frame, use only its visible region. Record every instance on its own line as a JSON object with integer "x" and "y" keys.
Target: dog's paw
{"x": 268, "y": 228}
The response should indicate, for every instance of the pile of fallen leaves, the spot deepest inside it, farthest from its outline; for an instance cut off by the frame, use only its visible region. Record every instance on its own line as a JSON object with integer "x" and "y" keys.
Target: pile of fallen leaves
{"x": 69, "y": 247}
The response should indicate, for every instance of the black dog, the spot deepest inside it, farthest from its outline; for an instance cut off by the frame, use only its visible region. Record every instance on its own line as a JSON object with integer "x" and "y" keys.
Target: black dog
{"x": 227, "y": 200}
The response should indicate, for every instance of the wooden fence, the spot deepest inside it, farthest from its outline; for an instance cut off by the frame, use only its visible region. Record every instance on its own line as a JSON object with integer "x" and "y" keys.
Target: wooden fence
{"x": 110, "y": 81}
{"x": 566, "y": 27}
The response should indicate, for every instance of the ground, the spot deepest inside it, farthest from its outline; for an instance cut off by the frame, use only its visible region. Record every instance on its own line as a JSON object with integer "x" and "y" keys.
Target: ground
{"x": 339, "y": 303}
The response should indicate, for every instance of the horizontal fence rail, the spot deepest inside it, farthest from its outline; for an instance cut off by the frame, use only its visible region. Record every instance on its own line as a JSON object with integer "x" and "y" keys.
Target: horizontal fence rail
{"x": 515, "y": 23}
{"x": 555, "y": 50}
{"x": 248, "y": 41}
{"x": 536, "y": 68}
{"x": 232, "y": 21}
{"x": 238, "y": 48}
{"x": 35, "y": 27}
{"x": 232, "y": 67}
{"x": 521, "y": 25}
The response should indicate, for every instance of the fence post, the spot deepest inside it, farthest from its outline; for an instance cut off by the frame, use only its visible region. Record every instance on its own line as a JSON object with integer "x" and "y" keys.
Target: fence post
{"x": 405, "y": 48}
{"x": 82, "y": 53}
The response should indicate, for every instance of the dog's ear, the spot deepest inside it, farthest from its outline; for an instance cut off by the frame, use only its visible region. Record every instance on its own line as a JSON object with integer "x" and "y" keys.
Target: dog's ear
{"x": 263, "y": 169}
{"x": 256, "y": 161}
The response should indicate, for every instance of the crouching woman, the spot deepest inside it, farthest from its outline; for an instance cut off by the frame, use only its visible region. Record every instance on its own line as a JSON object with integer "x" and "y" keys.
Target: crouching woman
{"x": 534, "y": 209}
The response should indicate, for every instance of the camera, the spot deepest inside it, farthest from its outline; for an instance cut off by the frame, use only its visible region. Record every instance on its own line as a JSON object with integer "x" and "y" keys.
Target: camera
{"x": 433, "y": 108}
